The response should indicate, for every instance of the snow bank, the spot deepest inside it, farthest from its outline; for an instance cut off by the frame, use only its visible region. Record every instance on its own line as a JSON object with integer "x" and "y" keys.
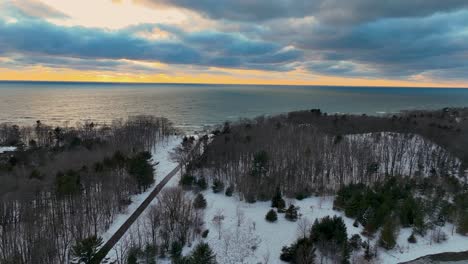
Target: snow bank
{"x": 7, "y": 149}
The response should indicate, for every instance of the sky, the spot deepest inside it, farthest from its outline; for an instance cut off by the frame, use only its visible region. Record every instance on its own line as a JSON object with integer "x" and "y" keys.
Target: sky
{"x": 417, "y": 43}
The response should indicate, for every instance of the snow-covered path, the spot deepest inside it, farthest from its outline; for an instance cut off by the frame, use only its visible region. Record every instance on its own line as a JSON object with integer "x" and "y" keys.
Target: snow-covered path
{"x": 165, "y": 170}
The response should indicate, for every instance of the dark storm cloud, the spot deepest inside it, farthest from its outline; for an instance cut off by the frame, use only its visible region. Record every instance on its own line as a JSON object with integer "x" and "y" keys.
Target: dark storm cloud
{"x": 39, "y": 38}
{"x": 394, "y": 47}
{"x": 326, "y": 10}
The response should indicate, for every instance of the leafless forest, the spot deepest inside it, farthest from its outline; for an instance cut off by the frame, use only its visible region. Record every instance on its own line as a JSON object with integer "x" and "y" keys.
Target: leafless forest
{"x": 68, "y": 183}
{"x": 310, "y": 152}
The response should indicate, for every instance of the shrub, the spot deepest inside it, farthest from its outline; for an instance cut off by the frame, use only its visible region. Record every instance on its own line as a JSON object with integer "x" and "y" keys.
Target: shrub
{"x": 199, "y": 202}
{"x": 202, "y": 184}
{"x": 187, "y": 180}
{"x": 87, "y": 248}
{"x": 355, "y": 242}
{"x": 229, "y": 191}
{"x": 291, "y": 213}
{"x": 218, "y": 186}
{"x": 412, "y": 239}
{"x": 277, "y": 201}
{"x": 271, "y": 216}
{"x": 202, "y": 254}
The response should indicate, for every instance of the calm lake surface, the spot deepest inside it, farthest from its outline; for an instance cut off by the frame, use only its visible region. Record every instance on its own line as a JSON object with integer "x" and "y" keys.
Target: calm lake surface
{"x": 191, "y": 107}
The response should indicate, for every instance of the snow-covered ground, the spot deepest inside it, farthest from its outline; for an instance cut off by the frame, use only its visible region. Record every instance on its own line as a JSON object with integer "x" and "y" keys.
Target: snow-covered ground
{"x": 165, "y": 165}
{"x": 269, "y": 238}
{"x": 6, "y": 149}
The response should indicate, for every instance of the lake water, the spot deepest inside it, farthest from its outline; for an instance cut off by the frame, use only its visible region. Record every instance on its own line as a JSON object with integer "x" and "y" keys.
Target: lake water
{"x": 193, "y": 106}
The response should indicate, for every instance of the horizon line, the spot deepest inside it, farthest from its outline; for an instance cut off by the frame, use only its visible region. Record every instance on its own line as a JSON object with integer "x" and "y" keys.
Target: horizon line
{"x": 229, "y": 84}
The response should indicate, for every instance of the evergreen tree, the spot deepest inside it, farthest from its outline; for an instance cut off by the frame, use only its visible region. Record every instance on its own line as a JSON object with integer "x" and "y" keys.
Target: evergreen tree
{"x": 68, "y": 183}
{"x": 199, "y": 202}
{"x": 387, "y": 238}
{"x": 412, "y": 238}
{"x": 260, "y": 164}
{"x": 271, "y": 216}
{"x": 291, "y": 213}
{"x": 229, "y": 191}
{"x": 300, "y": 252}
{"x": 218, "y": 186}
{"x": 202, "y": 254}
{"x": 87, "y": 248}
{"x": 202, "y": 184}
{"x": 176, "y": 251}
{"x": 277, "y": 201}
{"x": 355, "y": 242}
{"x": 141, "y": 169}
{"x": 132, "y": 256}
{"x": 462, "y": 223}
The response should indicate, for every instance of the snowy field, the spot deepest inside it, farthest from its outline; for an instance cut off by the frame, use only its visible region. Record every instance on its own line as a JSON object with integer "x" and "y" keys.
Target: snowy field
{"x": 269, "y": 238}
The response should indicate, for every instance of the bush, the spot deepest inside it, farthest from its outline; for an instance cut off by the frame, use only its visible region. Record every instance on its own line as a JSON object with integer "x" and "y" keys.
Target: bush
{"x": 355, "y": 242}
{"x": 412, "y": 239}
{"x": 250, "y": 198}
{"x": 187, "y": 180}
{"x": 229, "y": 191}
{"x": 176, "y": 250}
{"x": 199, "y": 202}
{"x": 291, "y": 213}
{"x": 301, "y": 196}
{"x": 218, "y": 186}
{"x": 202, "y": 184}
{"x": 302, "y": 251}
{"x": 202, "y": 254}
{"x": 277, "y": 201}
{"x": 87, "y": 248}
{"x": 271, "y": 216}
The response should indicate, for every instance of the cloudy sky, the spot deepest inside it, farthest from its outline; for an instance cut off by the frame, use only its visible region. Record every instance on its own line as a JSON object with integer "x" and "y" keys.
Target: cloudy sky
{"x": 323, "y": 42}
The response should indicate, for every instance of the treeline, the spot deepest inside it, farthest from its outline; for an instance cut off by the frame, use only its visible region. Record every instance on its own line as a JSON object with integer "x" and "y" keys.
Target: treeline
{"x": 423, "y": 204}
{"x": 300, "y": 153}
{"x": 65, "y": 184}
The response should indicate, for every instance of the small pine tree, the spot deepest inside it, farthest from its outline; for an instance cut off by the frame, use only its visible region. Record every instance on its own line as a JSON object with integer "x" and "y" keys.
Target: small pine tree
{"x": 202, "y": 184}
{"x": 87, "y": 248}
{"x": 277, "y": 201}
{"x": 229, "y": 191}
{"x": 187, "y": 180}
{"x": 291, "y": 213}
{"x": 176, "y": 251}
{"x": 202, "y": 254}
{"x": 355, "y": 242}
{"x": 387, "y": 236}
{"x": 271, "y": 216}
{"x": 367, "y": 252}
{"x": 199, "y": 202}
{"x": 462, "y": 223}
{"x": 218, "y": 186}
{"x": 412, "y": 239}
